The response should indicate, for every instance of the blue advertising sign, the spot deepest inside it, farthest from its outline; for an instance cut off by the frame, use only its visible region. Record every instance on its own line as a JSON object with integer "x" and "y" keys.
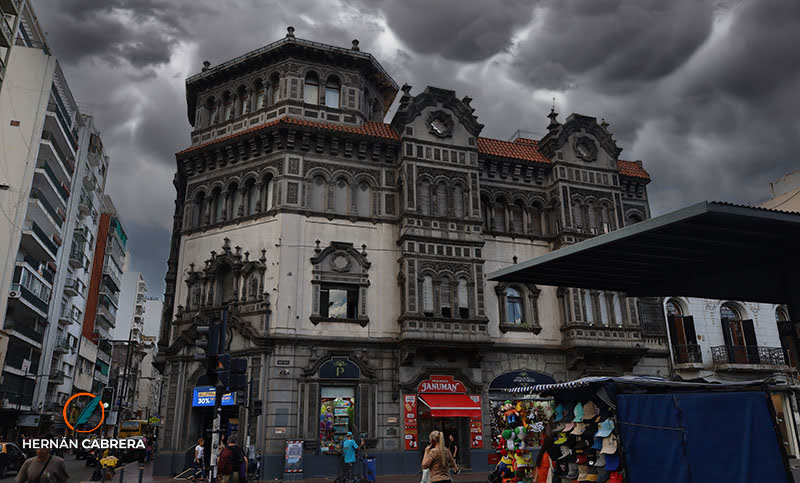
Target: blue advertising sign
{"x": 205, "y": 395}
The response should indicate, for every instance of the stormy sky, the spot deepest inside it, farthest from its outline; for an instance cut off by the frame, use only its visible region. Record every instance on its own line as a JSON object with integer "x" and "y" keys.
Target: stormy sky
{"x": 704, "y": 92}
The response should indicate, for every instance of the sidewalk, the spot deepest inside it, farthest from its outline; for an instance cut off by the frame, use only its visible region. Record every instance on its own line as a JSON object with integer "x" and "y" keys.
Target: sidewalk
{"x": 132, "y": 476}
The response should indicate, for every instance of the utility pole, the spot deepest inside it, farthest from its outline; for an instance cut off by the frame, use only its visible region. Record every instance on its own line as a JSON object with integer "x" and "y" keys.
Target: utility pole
{"x": 220, "y": 391}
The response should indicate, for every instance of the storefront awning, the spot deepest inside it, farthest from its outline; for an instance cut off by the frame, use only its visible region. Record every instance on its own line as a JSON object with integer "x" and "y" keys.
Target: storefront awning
{"x": 451, "y": 405}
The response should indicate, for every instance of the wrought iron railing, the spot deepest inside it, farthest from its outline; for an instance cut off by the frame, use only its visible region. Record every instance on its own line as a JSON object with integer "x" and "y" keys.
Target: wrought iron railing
{"x": 687, "y": 353}
{"x": 741, "y": 354}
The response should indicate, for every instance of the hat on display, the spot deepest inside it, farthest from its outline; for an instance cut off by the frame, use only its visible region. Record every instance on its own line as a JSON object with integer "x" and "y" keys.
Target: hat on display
{"x": 568, "y": 427}
{"x": 583, "y": 472}
{"x": 558, "y": 427}
{"x": 559, "y": 413}
{"x": 581, "y": 459}
{"x": 562, "y": 438}
{"x": 615, "y": 477}
{"x": 612, "y": 462}
{"x": 573, "y": 471}
{"x": 600, "y": 461}
{"x": 592, "y": 476}
{"x": 602, "y": 475}
{"x": 609, "y": 445}
{"x": 606, "y": 427}
{"x": 565, "y": 451}
{"x": 578, "y": 413}
{"x": 598, "y": 443}
{"x": 579, "y": 429}
{"x": 589, "y": 410}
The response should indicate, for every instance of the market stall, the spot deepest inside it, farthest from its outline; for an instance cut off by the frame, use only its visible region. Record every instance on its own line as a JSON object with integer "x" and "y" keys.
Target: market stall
{"x": 646, "y": 429}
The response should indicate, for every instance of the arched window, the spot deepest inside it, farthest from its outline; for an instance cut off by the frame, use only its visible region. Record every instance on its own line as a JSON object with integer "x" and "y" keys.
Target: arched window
{"x": 633, "y": 218}
{"x": 425, "y": 198}
{"x": 444, "y": 297}
{"x": 605, "y": 219}
{"x": 739, "y": 336}
{"x": 259, "y": 100}
{"x": 197, "y": 209}
{"x": 340, "y": 197}
{"x": 458, "y": 202}
{"x": 251, "y": 197}
{"x": 500, "y": 216}
{"x": 682, "y": 334}
{"x": 781, "y": 315}
{"x": 591, "y": 219}
{"x": 268, "y": 188}
{"x": 517, "y": 224}
{"x": 234, "y": 199}
{"x": 463, "y": 298}
{"x": 486, "y": 211}
{"x": 274, "y": 88}
{"x": 311, "y": 89}
{"x": 604, "y": 315}
{"x": 588, "y": 303}
{"x": 209, "y": 112}
{"x": 577, "y": 212}
{"x": 241, "y": 101}
{"x": 318, "y": 189}
{"x": 618, "y": 309}
{"x": 514, "y": 314}
{"x": 441, "y": 200}
{"x": 363, "y": 199}
{"x": 427, "y": 295}
{"x": 673, "y": 308}
{"x": 332, "y": 92}
{"x": 535, "y": 228}
{"x": 217, "y": 205}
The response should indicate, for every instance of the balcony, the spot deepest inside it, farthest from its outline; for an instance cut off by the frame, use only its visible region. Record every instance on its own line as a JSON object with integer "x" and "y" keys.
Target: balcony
{"x": 56, "y": 377}
{"x": 44, "y": 213}
{"x": 111, "y": 272}
{"x": 36, "y": 266}
{"x": 105, "y": 316}
{"x": 12, "y": 7}
{"x": 85, "y": 205}
{"x": 62, "y": 345}
{"x": 77, "y": 258}
{"x": 46, "y": 180}
{"x": 32, "y": 301}
{"x": 57, "y": 124}
{"x": 113, "y": 297}
{"x": 590, "y": 345}
{"x": 73, "y": 287}
{"x": 90, "y": 182}
{"x": 36, "y": 242}
{"x": 7, "y": 36}
{"x": 750, "y": 358}
{"x": 82, "y": 232}
{"x": 69, "y": 315}
{"x": 50, "y": 150}
{"x": 687, "y": 356}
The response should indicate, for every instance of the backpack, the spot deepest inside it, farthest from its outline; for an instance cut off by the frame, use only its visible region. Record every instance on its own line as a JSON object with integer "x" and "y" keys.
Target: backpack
{"x": 225, "y": 463}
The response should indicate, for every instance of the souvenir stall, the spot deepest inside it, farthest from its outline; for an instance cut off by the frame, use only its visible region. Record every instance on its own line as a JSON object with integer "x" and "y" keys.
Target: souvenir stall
{"x": 649, "y": 430}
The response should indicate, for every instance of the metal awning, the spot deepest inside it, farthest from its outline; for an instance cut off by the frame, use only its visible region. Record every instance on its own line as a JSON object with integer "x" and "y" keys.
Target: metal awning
{"x": 708, "y": 250}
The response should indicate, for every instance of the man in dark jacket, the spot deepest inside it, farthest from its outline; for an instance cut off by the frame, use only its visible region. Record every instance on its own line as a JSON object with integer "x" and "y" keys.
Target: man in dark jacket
{"x": 232, "y": 462}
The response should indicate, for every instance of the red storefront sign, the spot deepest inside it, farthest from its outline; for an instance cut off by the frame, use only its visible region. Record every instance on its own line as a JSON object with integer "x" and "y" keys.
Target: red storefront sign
{"x": 442, "y": 384}
{"x": 410, "y": 440}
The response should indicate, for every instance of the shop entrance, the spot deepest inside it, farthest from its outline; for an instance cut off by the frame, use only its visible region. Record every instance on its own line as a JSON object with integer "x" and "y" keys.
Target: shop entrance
{"x": 458, "y": 427}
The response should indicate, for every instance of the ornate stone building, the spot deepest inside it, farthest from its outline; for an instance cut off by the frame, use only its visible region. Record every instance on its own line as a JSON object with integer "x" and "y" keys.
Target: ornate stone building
{"x": 351, "y": 255}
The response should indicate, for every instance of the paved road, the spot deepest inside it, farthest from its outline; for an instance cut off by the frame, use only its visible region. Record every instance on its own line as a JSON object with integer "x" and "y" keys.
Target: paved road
{"x": 77, "y": 469}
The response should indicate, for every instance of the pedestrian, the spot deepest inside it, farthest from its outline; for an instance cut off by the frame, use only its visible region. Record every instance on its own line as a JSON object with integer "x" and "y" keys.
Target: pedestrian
{"x": 148, "y": 450}
{"x": 438, "y": 459}
{"x": 232, "y": 462}
{"x": 43, "y": 468}
{"x": 349, "y": 448}
{"x": 198, "y": 460}
{"x": 453, "y": 447}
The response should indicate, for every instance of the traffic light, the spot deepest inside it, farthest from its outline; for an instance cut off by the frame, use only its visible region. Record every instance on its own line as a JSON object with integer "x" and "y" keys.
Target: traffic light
{"x": 208, "y": 342}
{"x": 258, "y": 406}
{"x": 232, "y": 372}
{"x": 107, "y": 397}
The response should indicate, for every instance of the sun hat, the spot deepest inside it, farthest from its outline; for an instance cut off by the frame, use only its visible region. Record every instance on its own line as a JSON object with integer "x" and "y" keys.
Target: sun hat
{"x": 606, "y": 427}
{"x": 578, "y": 411}
{"x": 559, "y": 413}
{"x": 579, "y": 429}
{"x": 568, "y": 427}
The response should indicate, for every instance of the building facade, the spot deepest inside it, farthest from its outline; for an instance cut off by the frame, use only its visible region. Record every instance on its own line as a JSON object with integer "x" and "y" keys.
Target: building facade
{"x": 350, "y": 256}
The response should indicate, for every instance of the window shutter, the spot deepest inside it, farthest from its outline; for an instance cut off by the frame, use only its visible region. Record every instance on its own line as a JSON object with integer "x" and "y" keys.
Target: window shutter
{"x": 294, "y": 94}
{"x": 463, "y": 298}
{"x": 427, "y": 294}
{"x": 750, "y": 339}
{"x": 351, "y": 99}
{"x": 673, "y": 333}
{"x": 726, "y": 332}
{"x": 445, "y": 292}
{"x": 688, "y": 327}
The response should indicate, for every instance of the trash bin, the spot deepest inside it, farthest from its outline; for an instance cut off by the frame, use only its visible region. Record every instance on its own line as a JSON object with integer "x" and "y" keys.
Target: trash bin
{"x": 370, "y": 468}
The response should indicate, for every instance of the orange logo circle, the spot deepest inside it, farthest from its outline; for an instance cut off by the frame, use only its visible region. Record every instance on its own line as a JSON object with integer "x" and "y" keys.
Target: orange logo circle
{"x": 102, "y": 412}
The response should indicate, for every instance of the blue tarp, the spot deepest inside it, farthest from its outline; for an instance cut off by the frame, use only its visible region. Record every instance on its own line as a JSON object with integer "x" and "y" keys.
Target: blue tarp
{"x": 699, "y": 437}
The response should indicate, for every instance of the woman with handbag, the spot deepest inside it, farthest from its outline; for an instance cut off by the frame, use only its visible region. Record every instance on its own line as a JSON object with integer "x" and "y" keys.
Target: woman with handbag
{"x": 438, "y": 459}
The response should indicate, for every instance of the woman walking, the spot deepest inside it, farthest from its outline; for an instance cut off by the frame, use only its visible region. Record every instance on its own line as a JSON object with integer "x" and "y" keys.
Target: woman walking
{"x": 438, "y": 459}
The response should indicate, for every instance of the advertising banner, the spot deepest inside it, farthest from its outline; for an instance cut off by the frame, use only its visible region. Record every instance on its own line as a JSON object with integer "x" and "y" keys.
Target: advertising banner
{"x": 203, "y": 396}
{"x": 293, "y": 462}
{"x": 410, "y": 440}
{"x": 475, "y": 427}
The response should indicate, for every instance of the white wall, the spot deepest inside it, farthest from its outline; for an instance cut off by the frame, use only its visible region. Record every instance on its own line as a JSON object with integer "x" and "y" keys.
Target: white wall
{"x": 127, "y": 305}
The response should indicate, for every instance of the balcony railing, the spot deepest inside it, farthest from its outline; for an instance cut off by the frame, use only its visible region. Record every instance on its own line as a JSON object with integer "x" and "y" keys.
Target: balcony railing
{"x": 76, "y": 255}
{"x": 57, "y": 377}
{"x": 85, "y": 204}
{"x": 64, "y": 192}
{"x": 30, "y": 297}
{"x": 46, "y": 240}
{"x": 62, "y": 345}
{"x": 69, "y": 165}
{"x": 39, "y": 267}
{"x": 687, "y": 353}
{"x": 73, "y": 287}
{"x": 38, "y": 195}
{"x": 741, "y": 354}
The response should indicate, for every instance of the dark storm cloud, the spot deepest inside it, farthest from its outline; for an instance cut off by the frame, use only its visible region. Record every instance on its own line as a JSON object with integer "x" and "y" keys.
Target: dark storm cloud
{"x": 703, "y": 91}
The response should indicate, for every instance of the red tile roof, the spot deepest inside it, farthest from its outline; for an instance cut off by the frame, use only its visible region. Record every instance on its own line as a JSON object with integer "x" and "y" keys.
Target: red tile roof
{"x": 632, "y": 169}
{"x": 524, "y": 149}
{"x": 369, "y": 129}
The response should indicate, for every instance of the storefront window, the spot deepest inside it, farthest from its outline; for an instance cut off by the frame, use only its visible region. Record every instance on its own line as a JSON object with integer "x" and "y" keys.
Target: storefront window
{"x": 336, "y": 416}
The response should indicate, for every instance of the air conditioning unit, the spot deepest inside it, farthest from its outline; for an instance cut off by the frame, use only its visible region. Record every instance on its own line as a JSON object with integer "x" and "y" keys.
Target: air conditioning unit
{"x": 14, "y": 294}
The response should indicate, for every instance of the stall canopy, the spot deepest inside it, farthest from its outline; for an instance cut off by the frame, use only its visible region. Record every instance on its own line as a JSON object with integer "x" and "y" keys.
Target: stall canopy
{"x": 708, "y": 250}
{"x": 451, "y": 405}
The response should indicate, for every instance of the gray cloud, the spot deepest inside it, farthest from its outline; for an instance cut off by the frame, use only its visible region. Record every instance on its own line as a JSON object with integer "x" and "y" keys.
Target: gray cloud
{"x": 703, "y": 91}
